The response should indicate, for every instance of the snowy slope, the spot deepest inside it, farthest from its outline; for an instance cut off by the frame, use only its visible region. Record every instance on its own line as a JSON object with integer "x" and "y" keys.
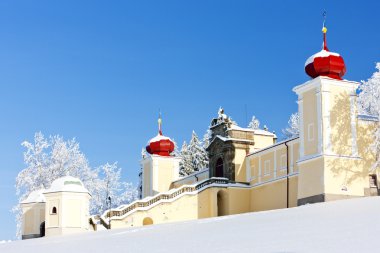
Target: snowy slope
{"x": 341, "y": 226}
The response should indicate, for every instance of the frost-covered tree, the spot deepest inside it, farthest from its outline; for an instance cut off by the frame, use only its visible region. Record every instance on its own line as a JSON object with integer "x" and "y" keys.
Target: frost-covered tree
{"x": 185, "y": 164}
{"x": 175, "y": 152}
{"x": 292, "y": 130}
{"x": 198, "y": 153}
{"x": 369, "y": 94}
{"x": 369, "y": 103}
{"x": 110, "y": 185}
{"x": 254, "y": 123}
{"x": 207, "y": 138}
{"x": 50, "y": 158}
{"x": 194, "y": 156}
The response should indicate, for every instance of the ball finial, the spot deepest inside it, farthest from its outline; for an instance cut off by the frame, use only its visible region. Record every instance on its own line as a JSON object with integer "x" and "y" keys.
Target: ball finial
{"x": 324, "y": 29}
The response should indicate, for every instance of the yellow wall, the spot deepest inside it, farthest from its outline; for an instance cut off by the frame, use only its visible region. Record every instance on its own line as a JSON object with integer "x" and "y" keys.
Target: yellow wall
{"x": 263, "y": 141}
{"x": 340, "y": 120}
{"x": 191, "y": 206}
{"x": 240, "y": 168}
{"x": 165, "y": 174}
{"x": 274, "y": 195}
{"x": 311, "y": 178}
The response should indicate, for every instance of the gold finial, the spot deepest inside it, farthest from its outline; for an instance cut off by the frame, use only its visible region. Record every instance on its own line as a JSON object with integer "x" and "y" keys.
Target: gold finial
{"x": 324, "y": 29}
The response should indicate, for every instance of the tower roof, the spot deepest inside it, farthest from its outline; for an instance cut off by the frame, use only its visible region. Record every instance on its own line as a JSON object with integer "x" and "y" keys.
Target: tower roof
{"x": 325, "y": 63}
{"x": 160, "y": 145}
{"x": 67, "y": 184}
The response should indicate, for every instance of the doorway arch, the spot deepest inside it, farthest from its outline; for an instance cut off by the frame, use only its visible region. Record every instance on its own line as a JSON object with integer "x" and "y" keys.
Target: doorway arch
{"x": 219, "y": 168}
{"x": 147, "y": 221}
{"x": 42, "y": 229}
{"x": 222, "y": 203}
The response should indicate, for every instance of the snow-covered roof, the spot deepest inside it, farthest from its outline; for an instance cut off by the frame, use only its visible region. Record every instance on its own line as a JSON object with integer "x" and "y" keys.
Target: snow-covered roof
{"x": 159, "y": 138}
{"x": 230, "y": 139}
{"x": 255, "y": 131}
{"x": 67, "y": 184}
{"x": 35, "y": 197}
{"x": 323, "y": 53}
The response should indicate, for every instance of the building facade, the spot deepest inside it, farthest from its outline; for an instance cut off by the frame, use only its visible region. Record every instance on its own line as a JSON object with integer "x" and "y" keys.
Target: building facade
{"x": 249, "y": 170}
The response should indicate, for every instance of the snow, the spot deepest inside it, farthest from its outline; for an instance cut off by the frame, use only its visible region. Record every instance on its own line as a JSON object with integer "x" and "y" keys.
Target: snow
{"x": 255, "y": 131}
{"x": 67, "y": 184}
{"x": 323, "y": 53}
{"x": 158, "y": 138}
{"x": 340, "y": 226}
{"x": 35, "y": 197}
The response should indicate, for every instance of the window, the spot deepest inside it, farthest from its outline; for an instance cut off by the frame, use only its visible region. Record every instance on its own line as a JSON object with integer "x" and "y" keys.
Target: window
{"x": 54, "y": 210}
{"x": 266, "y": 167}
{"x": 283, "y": 162}
{"x": 310, "y": 132}
{"x": 373, "y": 181}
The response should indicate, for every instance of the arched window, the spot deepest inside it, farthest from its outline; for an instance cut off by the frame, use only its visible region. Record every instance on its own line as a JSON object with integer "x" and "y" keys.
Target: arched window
{"x": 147, "y": 221}
{"x": 54, "y": 210}
{"x": 219, "y": 168}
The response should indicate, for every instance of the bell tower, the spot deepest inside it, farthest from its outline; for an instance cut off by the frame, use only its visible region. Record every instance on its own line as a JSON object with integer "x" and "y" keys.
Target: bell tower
{"x": 328, "y": 126}
{"x": 160, "y": 168}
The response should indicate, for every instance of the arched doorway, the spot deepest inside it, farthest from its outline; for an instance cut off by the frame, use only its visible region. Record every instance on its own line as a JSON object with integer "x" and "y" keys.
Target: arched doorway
{"x": 222, "y": 204}
{"x": 219, "y": 168}
{"x": 42, "y": 229}
{"x": 147, "y": 221}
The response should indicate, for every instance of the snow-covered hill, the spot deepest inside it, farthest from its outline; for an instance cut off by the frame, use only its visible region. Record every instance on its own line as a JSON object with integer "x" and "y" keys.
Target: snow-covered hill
{"x": 341, "y": 226}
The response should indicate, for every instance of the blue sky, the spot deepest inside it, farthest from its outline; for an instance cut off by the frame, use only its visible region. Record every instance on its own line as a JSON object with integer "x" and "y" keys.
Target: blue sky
{"x": 100, "y": 70}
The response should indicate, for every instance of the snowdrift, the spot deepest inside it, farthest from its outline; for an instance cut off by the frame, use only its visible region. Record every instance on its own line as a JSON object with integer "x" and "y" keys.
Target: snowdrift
{"x": 342, "y": 226}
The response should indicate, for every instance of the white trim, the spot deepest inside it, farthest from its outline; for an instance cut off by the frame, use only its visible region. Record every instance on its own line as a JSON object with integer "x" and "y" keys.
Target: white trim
{"x": 313, "y": 157}
{"x": 353, "y": 125}
{"x": 275, "y": 164}
{"x": 309, "y": 85}
{"x": 248, "y": 170}
{"x": 266, "y": 168}
{"x": 291, "y": 159}
{"x": 254, "y": 176}
{"x": 283, "y": 165}
{"x": 274, "y": 180}
{"x": 302, "y": 134}
{"x": 259, "y": 176}
{"x": 310, "y": 132}
{"x": 319, "y": 121}
{"x": 308, "y": 158}
{"x": 326, "y": 121}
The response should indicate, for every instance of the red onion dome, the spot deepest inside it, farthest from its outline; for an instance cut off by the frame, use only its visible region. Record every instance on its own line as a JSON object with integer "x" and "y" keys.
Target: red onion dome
{"x": 325, "y": 63}
{"x": 160, "y": 145}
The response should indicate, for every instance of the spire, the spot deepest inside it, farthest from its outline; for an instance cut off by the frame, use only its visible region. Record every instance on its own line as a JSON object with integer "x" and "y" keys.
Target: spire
{"x": 159, "y": 124}
{"x": 324, "y": 31}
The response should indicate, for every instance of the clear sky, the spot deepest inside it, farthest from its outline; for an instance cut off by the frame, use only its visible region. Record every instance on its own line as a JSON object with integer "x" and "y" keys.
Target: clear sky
{"x": 100, "y": 70}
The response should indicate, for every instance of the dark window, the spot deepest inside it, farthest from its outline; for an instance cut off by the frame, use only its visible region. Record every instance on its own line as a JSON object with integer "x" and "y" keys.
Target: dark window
{"x": 219, "y": 168}
{"x": 54, "y": 210}
{"x": 373, "y": 181}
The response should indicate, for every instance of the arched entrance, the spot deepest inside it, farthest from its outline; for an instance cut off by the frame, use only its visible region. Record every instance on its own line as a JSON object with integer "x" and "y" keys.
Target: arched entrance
{"x": 147, "y": 221}
{"x": 42, "y": 229}
{"x": 219, "y": 168}
{"x": 222, "y": 204}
